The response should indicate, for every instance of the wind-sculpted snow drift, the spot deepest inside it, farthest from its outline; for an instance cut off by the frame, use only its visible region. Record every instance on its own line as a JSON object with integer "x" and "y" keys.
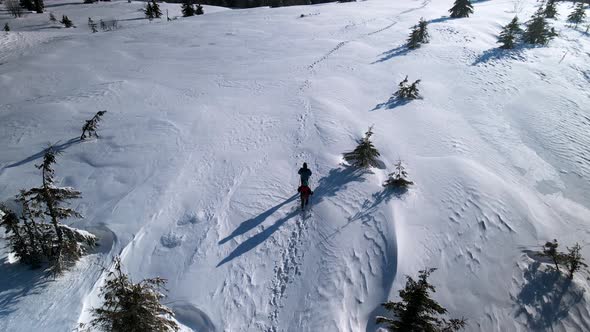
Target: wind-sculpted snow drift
{"x": 194, "y": 175}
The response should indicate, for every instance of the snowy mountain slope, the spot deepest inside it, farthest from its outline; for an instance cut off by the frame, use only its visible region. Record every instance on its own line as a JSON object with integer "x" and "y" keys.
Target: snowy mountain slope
{"x": 209, "y": 118}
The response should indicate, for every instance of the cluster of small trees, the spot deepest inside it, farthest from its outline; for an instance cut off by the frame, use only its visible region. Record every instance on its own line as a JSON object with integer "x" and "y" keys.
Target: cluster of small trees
{"x": 407, "y": 91}
{"x": 572, "y": 260}
{"x": 578, "y": 15}
{"x": 538, "y": 31}
{"x": 152, "y": 10}
{"x": 365, "y": 155}
{"x": 189, "y": 9}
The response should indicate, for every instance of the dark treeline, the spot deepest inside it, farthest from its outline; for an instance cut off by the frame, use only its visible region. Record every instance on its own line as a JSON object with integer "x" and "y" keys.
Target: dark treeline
{"x": 257, "y": 3}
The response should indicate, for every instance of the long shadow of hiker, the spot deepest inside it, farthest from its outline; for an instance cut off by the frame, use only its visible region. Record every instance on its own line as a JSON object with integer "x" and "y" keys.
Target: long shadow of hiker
{"x": 56, "y": 148}
{"x": 549, "y": 294}
{"x": 327, "y": 187}
{"x": 253, "y": 222}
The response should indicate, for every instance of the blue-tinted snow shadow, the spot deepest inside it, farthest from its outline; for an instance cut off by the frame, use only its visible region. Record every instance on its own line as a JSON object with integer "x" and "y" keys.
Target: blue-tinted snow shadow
{"x": 56, "y": 147}
{"x": 391, "y": 103}
{"x": 253, "y": 222}
{"x": 496, "y": 54}
{"x": 328, "y": 186}
{"x": 17, "y": 281}
{"x": 546, "y": 296}
{"x": 398, "y": 51}
{"x": 440, "y": 19}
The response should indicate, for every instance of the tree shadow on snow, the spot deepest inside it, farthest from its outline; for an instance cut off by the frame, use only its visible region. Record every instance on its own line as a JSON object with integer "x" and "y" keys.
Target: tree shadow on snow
{"x": 328, "y": 186}
{"x": 56, "y": 147}
{"x": 546, "y": 297}
{"x": 441, "y": 19}
{"x": 398, "y": 51}
{"x": 16, "y": 282}
{"x": 391, "y": 103}
{"x": 496, "y": 54}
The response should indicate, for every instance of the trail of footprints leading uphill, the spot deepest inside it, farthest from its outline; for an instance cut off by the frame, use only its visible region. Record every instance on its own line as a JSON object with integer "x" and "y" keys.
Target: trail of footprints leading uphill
{"x": 291, "y": 258}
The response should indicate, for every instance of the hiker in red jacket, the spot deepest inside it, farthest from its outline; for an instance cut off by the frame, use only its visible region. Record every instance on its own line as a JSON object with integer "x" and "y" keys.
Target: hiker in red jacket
{"x": 305, "y": 194}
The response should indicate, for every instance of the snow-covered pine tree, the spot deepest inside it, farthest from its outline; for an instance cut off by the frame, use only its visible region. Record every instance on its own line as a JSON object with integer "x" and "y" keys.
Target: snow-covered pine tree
{"x": 423, "y": 34}
{"x": 414, "y": 38}
{"x": 156, "y": 9}
{"x": 188, "y": 9}
{"x": 199, "y": 10}
{"x": 16, "y": 237}
{"x": 364, "y": 155}
{"x": 49, "y": 201}
{"x": 551, "y": 9}
{"x": 52, "y": 18}
{"x": 573, "y": 260}
{"x": 510, "y": 33}
{"x": 6, "y": 27}
{"x": 399, "y": 178}
{"x": 66, "y": 22}
{"x": 537, "y": 29}
{"x": 578, "y": 15}
{"x": 408, "y": 92}
{"x": 461, "y": 8}
{"x": 39, "y": 234}
{"x": 89, "y": 128}
{"x": 39, "y": 6}
{"x": 550, "y": 250}
{"x": 132, "y": 307}
{"x": 149, "y": 11}
{"x": 417, "y": 311}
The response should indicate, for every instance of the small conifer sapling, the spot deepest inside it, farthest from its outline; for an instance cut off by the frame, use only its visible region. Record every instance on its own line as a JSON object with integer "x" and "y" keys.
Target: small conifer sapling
{"x": 551, "y": 9}
{"x": 52, "y": 18}
{"x": 461, "y": 8}
{"x": 149, "y": 11}
{"x": 156, "y": 9}
{"x": 550, "y": 250}
{"x": 89, "y": 128}
{"x": 66, "y": 22}
{"x": 417, "y": 311}
{"x": 578, "y": 15}
{"x": 407, "y": 91}
{"x": 510, "y": 33}
{"x": 364, "y": 155}
{"x": 132, "y": 307}
{"x": 6, "y": 27}
{"x": 399, "y": 178}
{"x": 199, "y": 10}
{"x": 188, "y": 8}
{"x": 573, "y": 260}
{"x": 537, "y": 30}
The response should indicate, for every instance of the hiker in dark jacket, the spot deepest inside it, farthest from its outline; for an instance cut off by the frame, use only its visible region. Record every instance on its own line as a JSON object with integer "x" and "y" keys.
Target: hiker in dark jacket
{"x": 305, "y": 174}
{"x": 305, "y": 192}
